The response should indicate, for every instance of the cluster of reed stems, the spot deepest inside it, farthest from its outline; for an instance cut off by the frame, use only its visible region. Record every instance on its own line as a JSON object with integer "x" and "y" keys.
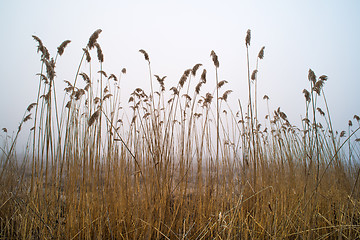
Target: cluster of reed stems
{"x": 156, "y": 169}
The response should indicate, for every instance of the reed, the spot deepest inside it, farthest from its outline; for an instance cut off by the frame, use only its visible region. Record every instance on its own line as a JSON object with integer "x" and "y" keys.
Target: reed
{"x": 156, "y": 168}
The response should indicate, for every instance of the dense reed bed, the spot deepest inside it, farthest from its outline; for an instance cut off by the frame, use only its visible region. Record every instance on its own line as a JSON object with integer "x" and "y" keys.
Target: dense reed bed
{"x": 175, "y": 162}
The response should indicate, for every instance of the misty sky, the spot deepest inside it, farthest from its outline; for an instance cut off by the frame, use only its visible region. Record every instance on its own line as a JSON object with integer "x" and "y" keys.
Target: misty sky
{"x": 298, "y": 35}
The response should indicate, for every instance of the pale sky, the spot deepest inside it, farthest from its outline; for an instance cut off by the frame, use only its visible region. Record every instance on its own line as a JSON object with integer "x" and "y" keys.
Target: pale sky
{"x": 298, "y": 35}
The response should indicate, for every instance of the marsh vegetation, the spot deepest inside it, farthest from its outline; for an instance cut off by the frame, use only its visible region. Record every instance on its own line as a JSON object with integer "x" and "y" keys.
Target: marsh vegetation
{"x": 175, "y": 162}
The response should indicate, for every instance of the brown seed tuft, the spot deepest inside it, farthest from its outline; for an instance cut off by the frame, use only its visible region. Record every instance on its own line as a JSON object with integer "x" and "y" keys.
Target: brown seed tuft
{"x": 5, "y": 130}
{"x": 342, "y": 134}
{"x": 357, "y": 117}
{"x": 63, "y": 46}
{"x": 215, "y": 58}
{"x": 103, "y": 73}
{"x": 94, "y": 117}
{"x": 207, "y": 99}
{"x": 253, "y": 75}
{"x": 88, "y": 57}
{"x": 175, "y": 90}
{"x": 123, "y": 70}
{"x": 203, "y": 76}
{"x": 225, "y": 95}
{"x": 68, "y": 104}
{"x": 321, "y": 111}
{"x": 50, "y": 68}
{"x": 312, "y": 76}
{"x": 318, "y": 86}
{"x": 307, "y": 95}
{"x": 85, "y": 77}
{"x": 30, "y": 107}
{"x": 184, "y": 77}
{"x": 198, "y": 86}
{"x": 41, "y": 48}
{"x": 99, "y": 52}
{"x": 187, "y": 96}
{"x": 27, "y": 118}
{"x": 350, "y": 123}
{"x": 113, "y": 76}
{"x": 261, "y": 53}
{"x": 107, "y": 96}
{"x": 266, "y": 97}
{"x": 323, "y": 77}
{"x": 248, "y": 38}
{"x": 93, "y": 38}
{"x": 221, "y": 83}
{"x": 195, "y": 68}
{"x": 145, "y": 55}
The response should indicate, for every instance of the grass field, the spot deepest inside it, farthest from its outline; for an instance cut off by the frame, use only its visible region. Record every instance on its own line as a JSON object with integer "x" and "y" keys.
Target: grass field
{"x": 175, "y": 164}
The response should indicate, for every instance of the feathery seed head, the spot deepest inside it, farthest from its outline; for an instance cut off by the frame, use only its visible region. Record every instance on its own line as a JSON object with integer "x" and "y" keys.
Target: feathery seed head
{"x": 113, "y": 76}
{"x": 99, "y": 52}
{"x": 30, "y": 107}
{"x": 248, "y": 38}
{"x": 318, "y": 86}
{"x": 203, "y": 76}
{"x": 321, "y": 111}
{"x": 261, "y": 53}
{"x": 50, "y": 68}
{"x": 307, "y": 95}
{"x": 312, "y": 76}
{"x": 195, "y": 68}
{"x": 221, "y": 83}
{"x": 226, "y": 94}
{"x": 215, "y": 58}
{"x": 63, "y": 46}
{"x": 94, "y": 117}
{"x": 198, "y": 86}
{"x": 342, "y": 134}
{"x": 102, "y": 73}
{"x": 88, "y": 58}
{"x": 254, "y": 74}
{"x": 145, "y": 55}
{"x": 323, "y": 77}
{"x": 93, "y": 38}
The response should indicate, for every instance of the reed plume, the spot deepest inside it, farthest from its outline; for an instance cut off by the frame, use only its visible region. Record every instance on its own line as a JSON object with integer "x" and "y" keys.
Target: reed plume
{"x": 93, "y": 38}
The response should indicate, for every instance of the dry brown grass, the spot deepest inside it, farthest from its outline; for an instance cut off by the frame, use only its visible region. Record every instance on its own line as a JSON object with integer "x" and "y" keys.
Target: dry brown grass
{"x": 161, "y": 175}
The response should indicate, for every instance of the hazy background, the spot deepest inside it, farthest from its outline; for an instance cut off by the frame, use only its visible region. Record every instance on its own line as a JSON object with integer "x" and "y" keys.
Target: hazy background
{"x": 321, "y": 35}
